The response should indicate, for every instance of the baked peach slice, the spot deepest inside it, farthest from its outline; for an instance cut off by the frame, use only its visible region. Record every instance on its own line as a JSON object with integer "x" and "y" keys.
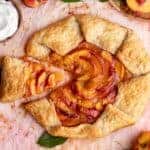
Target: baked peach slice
{"x": 53, "y": 79}
{"x": 86, "y": 89}
{"x": 79, "y": 64}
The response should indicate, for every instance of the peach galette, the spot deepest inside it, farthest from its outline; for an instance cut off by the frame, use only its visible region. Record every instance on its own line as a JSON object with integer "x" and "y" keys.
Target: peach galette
{"x": 96, "y": 74}
{"x": 108, "y": 71}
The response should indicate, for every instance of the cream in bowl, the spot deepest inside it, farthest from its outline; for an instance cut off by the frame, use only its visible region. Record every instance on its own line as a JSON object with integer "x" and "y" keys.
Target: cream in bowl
{"x": 9, "y": 19}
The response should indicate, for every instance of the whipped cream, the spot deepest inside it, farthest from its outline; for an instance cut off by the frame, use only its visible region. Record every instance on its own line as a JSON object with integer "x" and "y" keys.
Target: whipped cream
{"x": 9, "y": 19}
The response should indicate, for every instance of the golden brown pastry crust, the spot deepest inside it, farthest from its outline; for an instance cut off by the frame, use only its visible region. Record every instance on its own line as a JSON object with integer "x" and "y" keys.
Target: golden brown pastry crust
{"x": 61, "y": 37}
{"x": 109, "y": 36}
{"x": 111, "y": 120}
{"x": 133, "y": 55}
{"x": 13, "y": 78}
{"x": 44, "y": 111}
{"x": 133, "y": 96}
{"x": 35, "y": 48}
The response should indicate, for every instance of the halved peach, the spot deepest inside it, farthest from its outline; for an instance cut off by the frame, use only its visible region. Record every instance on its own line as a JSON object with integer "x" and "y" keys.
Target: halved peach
{"x": 142, "y": 142}
{"x": 140, "y": 7}
{"x": 34, "y": 3}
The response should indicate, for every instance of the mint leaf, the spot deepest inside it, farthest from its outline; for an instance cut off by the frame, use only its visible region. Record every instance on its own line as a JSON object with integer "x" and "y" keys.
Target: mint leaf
{"x": 47, "y": 140}
{"x": 71, "y": 1}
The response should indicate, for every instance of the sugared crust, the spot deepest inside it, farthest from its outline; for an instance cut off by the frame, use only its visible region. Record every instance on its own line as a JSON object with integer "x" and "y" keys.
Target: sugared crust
{"x": 133, "y": 95}
{"x": 133, "y": 55}
{"x": 61, "y": 37}
{"x": 35, "y": 48}
{"x": 111, "y": 120}
{"x": 102, "y": 33}
{"x": 44, "y": 112}
{"x": 13, "y": 77}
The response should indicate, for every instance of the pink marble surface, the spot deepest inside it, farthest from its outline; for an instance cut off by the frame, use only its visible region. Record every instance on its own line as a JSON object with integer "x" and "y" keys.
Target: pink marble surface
{"x": 18, "y": 131}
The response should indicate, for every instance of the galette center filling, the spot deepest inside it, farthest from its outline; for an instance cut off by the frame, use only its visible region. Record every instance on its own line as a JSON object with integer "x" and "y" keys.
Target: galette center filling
{"x": 95, "y": 76}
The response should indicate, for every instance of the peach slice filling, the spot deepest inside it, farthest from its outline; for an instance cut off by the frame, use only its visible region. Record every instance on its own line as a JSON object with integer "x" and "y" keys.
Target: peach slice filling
{"x": 41, "y": 78}
{"x": 95, "y": 75}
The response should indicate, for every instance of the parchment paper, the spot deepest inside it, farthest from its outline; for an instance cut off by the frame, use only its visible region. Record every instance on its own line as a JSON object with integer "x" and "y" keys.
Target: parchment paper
{"x": 18, "y": 131}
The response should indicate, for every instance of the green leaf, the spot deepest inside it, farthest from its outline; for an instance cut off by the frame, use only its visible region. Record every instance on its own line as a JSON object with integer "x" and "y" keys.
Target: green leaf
{"x": 103, "y": 0}
{"x": 50, "y": 141}
{"x": 71, "y": 1}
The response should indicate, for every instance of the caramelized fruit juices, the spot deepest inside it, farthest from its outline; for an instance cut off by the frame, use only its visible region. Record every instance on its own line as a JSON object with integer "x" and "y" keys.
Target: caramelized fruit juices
{"x": 95, "y": 75}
